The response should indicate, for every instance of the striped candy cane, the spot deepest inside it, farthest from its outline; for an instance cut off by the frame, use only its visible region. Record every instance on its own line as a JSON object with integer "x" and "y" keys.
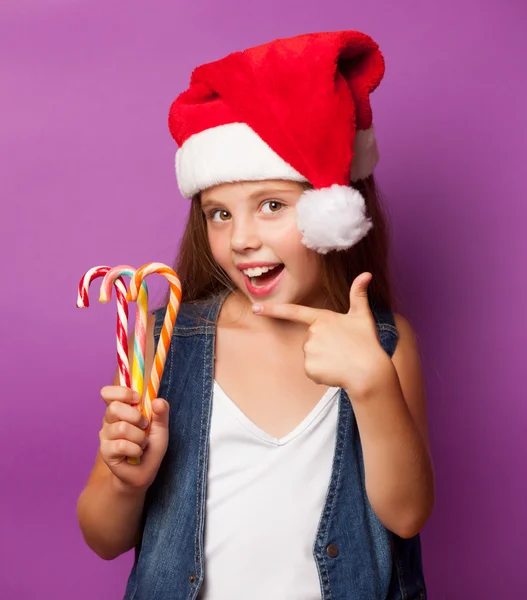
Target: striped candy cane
{"x": 166, "y": 332}
{"x": 122, "y": 317}
{"x": 138, "y": 364}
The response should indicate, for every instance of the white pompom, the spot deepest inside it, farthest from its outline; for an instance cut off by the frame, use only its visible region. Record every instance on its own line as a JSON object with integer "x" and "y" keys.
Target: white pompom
{"x": 332, "y": 218}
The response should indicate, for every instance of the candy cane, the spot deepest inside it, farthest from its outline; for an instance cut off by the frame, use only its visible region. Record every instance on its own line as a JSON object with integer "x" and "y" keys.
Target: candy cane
{"x": 138, "y": 364}
{"x": 168, "y": 326}
{"x": 122, "y": 317}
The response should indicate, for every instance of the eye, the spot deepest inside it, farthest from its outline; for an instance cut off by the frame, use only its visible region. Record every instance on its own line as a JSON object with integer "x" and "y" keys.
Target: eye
{"x": 274, "y": 206}
{"x": 223, "y": 215}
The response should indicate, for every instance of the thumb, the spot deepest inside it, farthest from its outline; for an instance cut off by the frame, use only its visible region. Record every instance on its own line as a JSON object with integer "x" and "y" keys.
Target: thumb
{"x": 359, "y": 293}
{"x": 157, "y": 433}
{"x": 160, "y": 410}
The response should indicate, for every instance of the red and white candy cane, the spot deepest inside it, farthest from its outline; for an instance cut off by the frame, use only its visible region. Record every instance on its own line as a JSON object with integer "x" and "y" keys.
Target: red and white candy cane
{"x": 122, "y": 316}
{"x": 168, "y": 326}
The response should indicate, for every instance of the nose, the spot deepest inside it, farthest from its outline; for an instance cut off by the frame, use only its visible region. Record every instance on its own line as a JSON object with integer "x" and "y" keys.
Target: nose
{"x": 244, "y": 235}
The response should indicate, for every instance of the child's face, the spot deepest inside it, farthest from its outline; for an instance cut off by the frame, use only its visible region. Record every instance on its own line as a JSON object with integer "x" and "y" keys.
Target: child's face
{"x": 255, "y": 223}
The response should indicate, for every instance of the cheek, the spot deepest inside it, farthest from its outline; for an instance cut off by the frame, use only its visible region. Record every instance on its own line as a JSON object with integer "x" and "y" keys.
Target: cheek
{"x": 284, "y": 237}
{"x": 217, "y": 246}
{"x": 301, "y": 261}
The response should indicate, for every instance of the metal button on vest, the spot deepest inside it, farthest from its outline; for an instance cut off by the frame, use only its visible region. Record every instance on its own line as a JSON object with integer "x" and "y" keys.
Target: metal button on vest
{"x": 332, "y": 550}
{"x": 192, "y": 578}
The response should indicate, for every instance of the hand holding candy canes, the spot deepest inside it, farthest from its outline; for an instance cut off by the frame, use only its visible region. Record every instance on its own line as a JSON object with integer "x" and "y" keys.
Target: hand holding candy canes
{"x": 138, "y": 365}
{"x": 124, "y": 430}
{"x": 130, "y": 455}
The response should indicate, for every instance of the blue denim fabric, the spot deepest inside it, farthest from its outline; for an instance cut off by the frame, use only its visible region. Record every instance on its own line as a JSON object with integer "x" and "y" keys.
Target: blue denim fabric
{"x": 356, "y": 556}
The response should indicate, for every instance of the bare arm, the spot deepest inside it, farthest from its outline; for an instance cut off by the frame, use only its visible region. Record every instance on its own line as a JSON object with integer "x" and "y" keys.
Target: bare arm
{"x": 110, "y": 507}
{"x": 394, "y": 433}
{"x": 109, "y": 513}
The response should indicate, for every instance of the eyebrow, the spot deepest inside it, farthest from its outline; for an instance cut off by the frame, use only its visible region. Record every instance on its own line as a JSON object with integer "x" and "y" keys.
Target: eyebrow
{"x": 254, "y": 196}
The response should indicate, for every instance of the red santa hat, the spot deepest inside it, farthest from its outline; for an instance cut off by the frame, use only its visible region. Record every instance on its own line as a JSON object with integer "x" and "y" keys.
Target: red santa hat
{"x": 296, "y": 109}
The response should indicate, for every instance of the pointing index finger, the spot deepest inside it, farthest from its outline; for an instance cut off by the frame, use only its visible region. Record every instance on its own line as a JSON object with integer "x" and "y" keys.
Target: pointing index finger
{"x": 289, "y": 312}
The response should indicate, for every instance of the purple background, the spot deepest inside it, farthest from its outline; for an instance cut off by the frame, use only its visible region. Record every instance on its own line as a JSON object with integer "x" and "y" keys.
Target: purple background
{"x": 87, "y": 178}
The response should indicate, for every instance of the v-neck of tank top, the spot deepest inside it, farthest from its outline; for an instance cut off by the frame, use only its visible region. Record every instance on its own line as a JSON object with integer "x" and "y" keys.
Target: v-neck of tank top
{"x": 312, "y": 416}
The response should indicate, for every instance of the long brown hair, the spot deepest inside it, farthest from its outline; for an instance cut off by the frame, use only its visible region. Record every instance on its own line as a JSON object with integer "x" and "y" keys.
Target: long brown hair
{"x": 201, "y": 277}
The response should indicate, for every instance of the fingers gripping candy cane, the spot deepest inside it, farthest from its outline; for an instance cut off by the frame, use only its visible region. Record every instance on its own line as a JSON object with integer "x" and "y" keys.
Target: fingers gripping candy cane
{"x": 138, "y": 364}
{"x": 168, "y": 326}
{"x": 122, "y": 317}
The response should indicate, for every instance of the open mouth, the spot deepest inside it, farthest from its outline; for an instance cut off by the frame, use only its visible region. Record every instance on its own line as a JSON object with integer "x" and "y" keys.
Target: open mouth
{"x": 261, "y": 281}
{"x": 266, "y": 278}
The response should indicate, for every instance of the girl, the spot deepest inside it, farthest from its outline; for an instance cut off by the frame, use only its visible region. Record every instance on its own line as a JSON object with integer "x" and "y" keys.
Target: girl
{"x": 288, "y": 458}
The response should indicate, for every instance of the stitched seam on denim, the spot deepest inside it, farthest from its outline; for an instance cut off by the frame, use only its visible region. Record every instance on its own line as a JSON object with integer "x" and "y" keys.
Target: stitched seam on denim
{"x": 170, "y": 364}
{"x": 188, "y": 331}
{"x": 321, "y": 563}
{"x": 321, "y": 559}
{"x": 210, "y": 340}
{"x": 400, "y": 578}
{"x": 329, "y": 504}
{"x": 201, "y": 474}
{"x": 320, "y": 578}
{"x": 387, "y": 327}
{"x": 342, "y": 442}
{"x": 204, "y": 329}
{"x": 136, "y": 587}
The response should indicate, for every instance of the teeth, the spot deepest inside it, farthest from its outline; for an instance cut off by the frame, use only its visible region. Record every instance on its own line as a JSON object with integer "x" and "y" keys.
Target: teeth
{"x": 257, "y": 271}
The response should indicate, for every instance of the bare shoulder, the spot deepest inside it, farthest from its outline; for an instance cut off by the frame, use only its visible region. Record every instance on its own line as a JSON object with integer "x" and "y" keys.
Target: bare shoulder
{"x": 407, "y": 362}
{"x": 405, "y": 329}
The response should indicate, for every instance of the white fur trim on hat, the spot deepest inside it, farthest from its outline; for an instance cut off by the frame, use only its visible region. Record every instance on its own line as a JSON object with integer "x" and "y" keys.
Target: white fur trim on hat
{"x": 234, "y": 152}
{"x": 332, "y": 218}
{"x": 228, "y": 153}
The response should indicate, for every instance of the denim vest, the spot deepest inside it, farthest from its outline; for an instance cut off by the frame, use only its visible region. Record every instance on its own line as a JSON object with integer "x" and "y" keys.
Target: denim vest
{"x": 356, "y": 556}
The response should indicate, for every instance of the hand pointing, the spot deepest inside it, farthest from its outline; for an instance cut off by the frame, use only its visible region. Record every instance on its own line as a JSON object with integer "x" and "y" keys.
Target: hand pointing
{"x": 341, "y": 350}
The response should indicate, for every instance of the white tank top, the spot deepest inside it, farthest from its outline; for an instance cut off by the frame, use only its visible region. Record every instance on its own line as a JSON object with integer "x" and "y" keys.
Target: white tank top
{"x": 264, "y": 500}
